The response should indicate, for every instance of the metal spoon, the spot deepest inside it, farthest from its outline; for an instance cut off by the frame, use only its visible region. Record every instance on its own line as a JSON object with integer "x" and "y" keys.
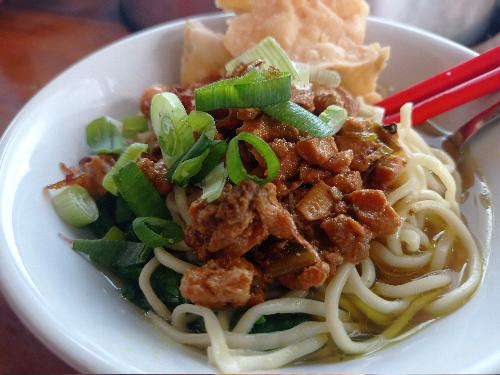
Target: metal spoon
{"x": 459, "y": 137}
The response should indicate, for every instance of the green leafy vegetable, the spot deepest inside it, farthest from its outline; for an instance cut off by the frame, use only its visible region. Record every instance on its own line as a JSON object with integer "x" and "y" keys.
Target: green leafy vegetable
{"x": 106, "y": 253}
{"x": 137, "y": 191}
{"x": 165, "y": 283}
{"x": 272, "y": 323}
{"x": 255, "y": 89}
{"x": 155, "y": 232}
{"x": 293, "y": 114}
{"x": 75, "y": 206}
{"x": 123, "y": 213}
{"x": 103, "y": 136}
{"x": 133, "y": 125}
{"x": 334, "y": 116}
{"x": 236, "y": 170}
{"x": 106, "y": 207}
{"x": 132, "y": 153}
{"x": 114, "y": 234}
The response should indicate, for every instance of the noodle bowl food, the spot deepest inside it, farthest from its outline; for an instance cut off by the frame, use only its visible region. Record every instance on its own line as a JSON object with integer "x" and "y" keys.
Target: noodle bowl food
{"x": 264, "y": 213}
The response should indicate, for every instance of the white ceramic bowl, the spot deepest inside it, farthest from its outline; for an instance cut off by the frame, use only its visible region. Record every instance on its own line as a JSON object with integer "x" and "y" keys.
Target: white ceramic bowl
{"x": 77, "y": 313}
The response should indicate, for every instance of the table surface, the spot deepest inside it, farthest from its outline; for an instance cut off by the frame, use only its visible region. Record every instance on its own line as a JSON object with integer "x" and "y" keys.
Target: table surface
{"x": 35, "y": 45}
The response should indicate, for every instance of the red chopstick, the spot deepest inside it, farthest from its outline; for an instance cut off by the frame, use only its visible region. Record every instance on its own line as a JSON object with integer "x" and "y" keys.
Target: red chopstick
{"x": 443, "y": 81}
{"x": 470, "y": 90}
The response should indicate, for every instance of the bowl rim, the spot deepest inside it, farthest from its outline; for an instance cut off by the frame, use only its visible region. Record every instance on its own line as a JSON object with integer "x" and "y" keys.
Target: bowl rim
{"x": 15, "y": 282}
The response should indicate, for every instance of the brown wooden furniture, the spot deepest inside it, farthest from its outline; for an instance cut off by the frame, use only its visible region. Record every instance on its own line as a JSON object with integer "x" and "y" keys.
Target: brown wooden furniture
{"x": 35, "y": 45}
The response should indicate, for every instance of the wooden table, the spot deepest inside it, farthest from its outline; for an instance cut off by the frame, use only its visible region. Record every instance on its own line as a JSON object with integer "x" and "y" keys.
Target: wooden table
{"x": 35, "y": 45}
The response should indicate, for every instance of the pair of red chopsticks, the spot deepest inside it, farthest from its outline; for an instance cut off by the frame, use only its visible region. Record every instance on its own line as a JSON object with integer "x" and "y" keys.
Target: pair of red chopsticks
{"x": 449, "y": 89}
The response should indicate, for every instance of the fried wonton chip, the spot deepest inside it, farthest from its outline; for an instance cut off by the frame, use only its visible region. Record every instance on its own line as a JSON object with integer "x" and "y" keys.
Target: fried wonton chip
{"x": 204, "y": 53}
{"x": 327, "y": 33}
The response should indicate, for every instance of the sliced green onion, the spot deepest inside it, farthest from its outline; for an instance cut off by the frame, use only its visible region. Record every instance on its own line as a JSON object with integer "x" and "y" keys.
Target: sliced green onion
{"x": 133, "y": 125}
{"x": 334, "y": 116}
{"x": 107, "y": 253}
{"x": 132, "y": 153}
{"x": 202, "y": 122}
{"x": 103, "y": 136}
{"x": 324, "y": 77}
{"x": 217, "y": 150}
{"x": 140, "y": 195}
{"x": 254, "y": 89}
{"x": 189, "y": 168}
{"x": 271, "y": 52}
{"x": 75, "y": 206}
{"x": 300, "y": 118}
{"x": 236, "y": 170}
{"x": 213, "y": 183}
{"x": 304, "y": 72}
{"x": 170, "y": 125}
{"x": 114, "y": 234}
{"x": 198, "y": 148}
{"x": 155, "y": 232}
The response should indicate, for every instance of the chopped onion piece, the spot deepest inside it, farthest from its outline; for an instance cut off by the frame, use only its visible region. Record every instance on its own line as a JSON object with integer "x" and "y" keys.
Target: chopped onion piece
{"x": 75, "y": 206}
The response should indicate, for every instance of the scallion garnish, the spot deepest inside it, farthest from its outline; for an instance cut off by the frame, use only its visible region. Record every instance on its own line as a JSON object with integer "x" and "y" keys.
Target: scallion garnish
{"x": 170, "y": 124}
{"x": 133, "y": 125}
{"x": 189, "y": 168}
{"x": 154, "y": 231}
{"x": 217, "y": 151}
{"x": 75, "y": 206}
{"x": 324, "y": 77}
{"x": 132, "y": 153}
{"x": 271, "y": 52}
{"x": 103, "y": 136}
{"x": 213, "y": 183}
{"x": 255, "y": 89}
{"x": 202, "y": 122}
{"x": 199, "y": 151}
{"x": 137, "y": 191}
{"x": 334, "y": 116}
{"x": 300, "y": 118}
{"x": 235, "y": 168}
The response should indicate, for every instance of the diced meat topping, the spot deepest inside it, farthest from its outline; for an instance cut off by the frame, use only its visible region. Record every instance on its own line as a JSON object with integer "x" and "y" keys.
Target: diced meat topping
{"x": 155, "y": 172}
{"x": 312, "y": 276}
{"x": 349, "y": 236}
{"x": 347, "y": 181}
{"x": 386, "y": 172}
{"x": 373, "y": 211}
{"x": 289, "y": 159}
{"x": 316, "y": 150}
{"x": 219, "y": 283}
{"x": 357, "y": 135}
{"x": 268, "y": 129}
{"x": 304, "y": 98}
{"x": 339, "y": 162}
{"x": 318, "y": 202}
{"x": 240, "y": 219}
{"x": 326, "y": 97}
{"x": 311, "y": 175}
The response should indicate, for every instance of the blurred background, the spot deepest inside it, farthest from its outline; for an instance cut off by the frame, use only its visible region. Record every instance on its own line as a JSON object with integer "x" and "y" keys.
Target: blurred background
{"x": 40, "y": 38}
